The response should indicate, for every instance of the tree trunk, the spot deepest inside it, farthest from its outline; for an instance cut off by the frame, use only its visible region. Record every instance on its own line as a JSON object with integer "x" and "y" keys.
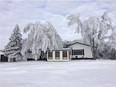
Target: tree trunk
{"x": 115, "y": 54}
{"x": 94, "y": 49}
{"x": 94, "y": 53}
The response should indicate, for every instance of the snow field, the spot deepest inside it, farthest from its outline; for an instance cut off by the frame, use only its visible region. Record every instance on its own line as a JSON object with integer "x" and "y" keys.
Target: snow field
{"x": 91, "y": 73}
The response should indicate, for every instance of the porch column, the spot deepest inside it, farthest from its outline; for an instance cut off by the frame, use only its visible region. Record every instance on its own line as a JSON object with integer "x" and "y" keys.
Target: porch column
{"x": 36, "y": 58}
{"x": 53, "y": 55}
{"x": 67, "y": 55}
{"x": 8, "y": 59}
{"x": 61, "y": 55}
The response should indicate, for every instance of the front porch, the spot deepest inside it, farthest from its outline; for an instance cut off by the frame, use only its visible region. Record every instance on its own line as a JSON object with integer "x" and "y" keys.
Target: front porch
{"x": 59, "y": 55}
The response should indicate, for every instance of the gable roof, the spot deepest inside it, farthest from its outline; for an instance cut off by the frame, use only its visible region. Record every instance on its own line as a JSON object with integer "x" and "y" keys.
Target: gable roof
{"x": 63, "y": 49}
{"x": 77, "y": 43}
{"x": 1, "y": 52}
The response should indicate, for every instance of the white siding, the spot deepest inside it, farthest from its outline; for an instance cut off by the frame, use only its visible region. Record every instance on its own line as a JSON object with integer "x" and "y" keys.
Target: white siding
{"x": 1, "y": 53}
{"x": 87, "y": 49}
{"x": 28, "y": 55}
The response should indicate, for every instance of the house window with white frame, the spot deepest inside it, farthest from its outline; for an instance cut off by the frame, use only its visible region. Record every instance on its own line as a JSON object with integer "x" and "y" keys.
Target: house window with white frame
{"x": 57, "y": 55}
{"x": 78, "y": 52}
{"x": 64, "y": 55}
{"x": 50, "y": 56}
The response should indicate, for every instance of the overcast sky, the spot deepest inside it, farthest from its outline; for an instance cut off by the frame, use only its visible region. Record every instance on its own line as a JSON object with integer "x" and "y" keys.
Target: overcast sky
{"x": 22, "y": 12}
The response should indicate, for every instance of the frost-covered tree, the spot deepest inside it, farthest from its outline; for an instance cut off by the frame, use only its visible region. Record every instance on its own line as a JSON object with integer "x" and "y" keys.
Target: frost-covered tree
{"x": 93, "y": 30}
{"x": 113, "y": 42}
{"x": 14, "y": 46}
{"x": 41, "y": 37}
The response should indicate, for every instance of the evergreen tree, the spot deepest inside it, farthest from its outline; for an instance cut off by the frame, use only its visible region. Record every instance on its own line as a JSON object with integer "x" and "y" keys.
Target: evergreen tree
{"x": 13, "y": 48}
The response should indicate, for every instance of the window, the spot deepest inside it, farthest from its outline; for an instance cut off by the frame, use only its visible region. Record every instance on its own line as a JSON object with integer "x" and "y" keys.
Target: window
{"x": 64, "y": 54}
{"x": 78, "y": 52}
{"x": 49, "y": 55}
{"x": 57, "y": 54}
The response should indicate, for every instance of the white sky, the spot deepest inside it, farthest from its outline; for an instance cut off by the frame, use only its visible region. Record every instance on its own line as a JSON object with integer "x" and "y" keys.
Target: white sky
{"x": 22, "y": 12}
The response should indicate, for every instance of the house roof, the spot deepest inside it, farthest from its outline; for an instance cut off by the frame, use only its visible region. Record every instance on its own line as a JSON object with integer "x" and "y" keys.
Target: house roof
{"x": 1, "y": 52}
{"x": 77, "y": 43}
{"x": 63, "y": 49}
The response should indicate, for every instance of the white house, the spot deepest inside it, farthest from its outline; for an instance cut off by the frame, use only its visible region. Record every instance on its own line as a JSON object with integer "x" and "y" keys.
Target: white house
{"x": 54, "y": 55}
{"x": 1, "y": 53}
{"x": 59, "y": 55}
{"x": 80, "y": 50}
{"x": 3, "y": 58}
{"x": 73, "y": 50}
{"x": 28, "y": 56}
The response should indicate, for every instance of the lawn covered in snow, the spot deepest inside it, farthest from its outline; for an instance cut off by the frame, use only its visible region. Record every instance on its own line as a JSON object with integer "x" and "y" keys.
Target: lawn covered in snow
{"x": 79, "y": 73}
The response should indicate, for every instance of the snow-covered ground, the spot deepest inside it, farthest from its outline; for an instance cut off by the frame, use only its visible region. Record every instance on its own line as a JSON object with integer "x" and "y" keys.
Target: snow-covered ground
{"x": 98, "y": 73}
